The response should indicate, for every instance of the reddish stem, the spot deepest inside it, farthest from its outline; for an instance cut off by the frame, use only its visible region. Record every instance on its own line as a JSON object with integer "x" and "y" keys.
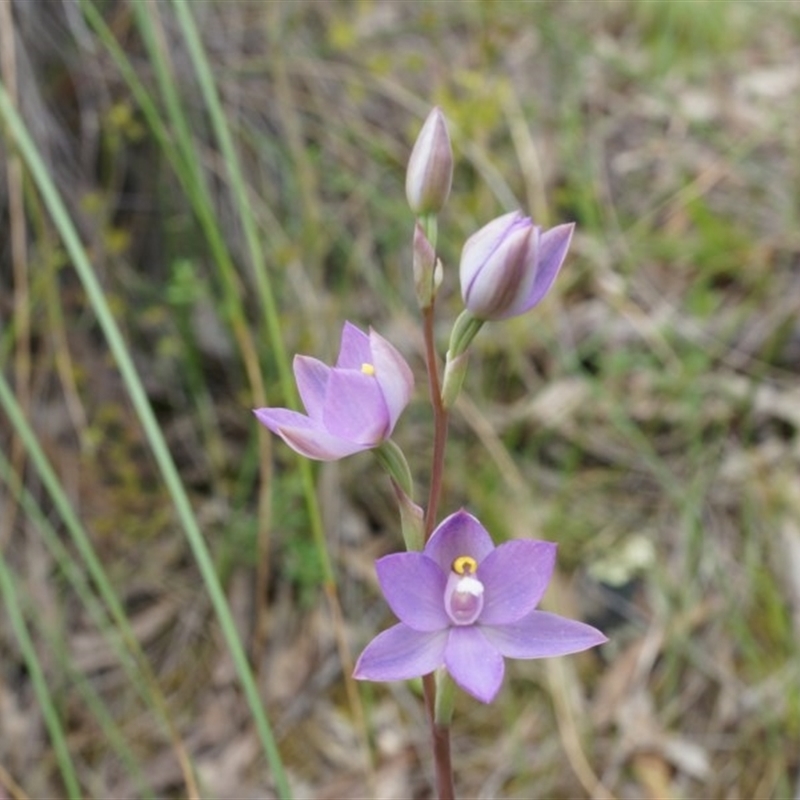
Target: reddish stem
{"x": 439, "y": 424}
{"x": 440, "y": 734}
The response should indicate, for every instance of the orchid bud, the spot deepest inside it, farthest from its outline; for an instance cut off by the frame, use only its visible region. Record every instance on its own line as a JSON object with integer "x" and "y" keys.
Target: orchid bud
{"x": 412, "y": 520}
{"x": 430, "y": 168}
{"x": 455, "y": 369}
{"x": 509, "y": 265}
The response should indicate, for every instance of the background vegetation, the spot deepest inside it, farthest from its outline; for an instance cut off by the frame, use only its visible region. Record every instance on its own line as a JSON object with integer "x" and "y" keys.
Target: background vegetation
{"x": 193, "y": 192}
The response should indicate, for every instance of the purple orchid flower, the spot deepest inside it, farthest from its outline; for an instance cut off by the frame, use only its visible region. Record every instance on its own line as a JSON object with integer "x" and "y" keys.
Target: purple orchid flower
{"x": 466, "y": 604}
{"x": 351, "y": 407}
{"x": 509, "y": 265}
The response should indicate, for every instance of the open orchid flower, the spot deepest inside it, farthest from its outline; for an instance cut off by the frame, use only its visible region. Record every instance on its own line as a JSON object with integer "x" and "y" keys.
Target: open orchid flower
{"x": 351, "y": 407}
{"x": 465, "y": 604}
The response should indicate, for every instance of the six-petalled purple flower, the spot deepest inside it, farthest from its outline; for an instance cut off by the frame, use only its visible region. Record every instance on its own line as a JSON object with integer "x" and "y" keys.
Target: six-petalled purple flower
{"x": 465, "y": 604}
{"x": 509, "y": 265}
{"x": 351, "y": 407}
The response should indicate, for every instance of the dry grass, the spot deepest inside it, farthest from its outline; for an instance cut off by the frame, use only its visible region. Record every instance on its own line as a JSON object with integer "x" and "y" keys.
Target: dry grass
{"x": 645, "y": 417}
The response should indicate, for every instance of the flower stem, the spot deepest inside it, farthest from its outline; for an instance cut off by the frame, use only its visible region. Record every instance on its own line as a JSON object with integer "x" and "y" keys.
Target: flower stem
{"x": 440, "y": 734}
{"x": 439, "y": 423}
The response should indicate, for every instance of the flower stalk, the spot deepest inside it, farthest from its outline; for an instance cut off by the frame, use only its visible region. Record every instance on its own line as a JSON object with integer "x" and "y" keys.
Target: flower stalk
{"x": 391, "y": 458}
{"x": 440, "y": 418}
{"x": 464, "y": 605}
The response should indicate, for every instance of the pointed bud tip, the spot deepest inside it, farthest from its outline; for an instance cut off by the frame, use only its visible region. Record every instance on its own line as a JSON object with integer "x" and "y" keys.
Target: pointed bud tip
{"x": 430, "y": 167}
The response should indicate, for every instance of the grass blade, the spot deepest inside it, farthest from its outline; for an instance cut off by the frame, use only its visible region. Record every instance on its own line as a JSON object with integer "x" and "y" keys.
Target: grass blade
{"x": 151, "y": 428}
{"x": 8, "y": 589}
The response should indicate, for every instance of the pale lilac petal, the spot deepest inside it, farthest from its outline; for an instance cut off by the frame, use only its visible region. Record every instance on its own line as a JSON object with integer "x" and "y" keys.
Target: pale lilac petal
{"x": 354, "y": 350}
{"x": 515, "y": 576}
{"x": 276, "y": 418}
{"x": 541, "y": 635}
{"x": 401, "y": 653}
{"x": 319, "y": 445}
{"x": 482, "y": 244}
{"x": 414, "y": 586}
{"x": 394, "y": 376}
{"x": 553, "y": 246}
{"x": 312, "y": 378}
{"x": 458, "y": 535}
{"x": 507, "y": 277}
{"x": 305, "y": 436}
{"x": 526, "y": 283}
{"x": 354, "y": 407}
{"x": 473, "y": 663}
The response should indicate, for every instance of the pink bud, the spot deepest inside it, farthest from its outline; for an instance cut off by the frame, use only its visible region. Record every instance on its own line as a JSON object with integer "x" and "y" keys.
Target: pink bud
{"x": 509, "y": 265}
{"x": 430, "y": 168}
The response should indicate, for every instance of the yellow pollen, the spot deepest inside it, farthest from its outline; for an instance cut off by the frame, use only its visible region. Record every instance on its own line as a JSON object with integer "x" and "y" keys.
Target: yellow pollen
{"x": 368, "y": 369}
{"x": 465, "y": 565}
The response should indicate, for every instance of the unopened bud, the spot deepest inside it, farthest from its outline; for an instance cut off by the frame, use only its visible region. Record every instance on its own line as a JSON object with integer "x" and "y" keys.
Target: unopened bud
{"x": 430, "y": 168}
{"x": 509, "y": 265}
{"x": 412, "y": 520}
{"x": 455, "y": 369}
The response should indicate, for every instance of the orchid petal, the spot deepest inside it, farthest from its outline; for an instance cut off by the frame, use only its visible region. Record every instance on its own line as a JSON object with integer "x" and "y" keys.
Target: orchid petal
{"x": 354, "y": 349}
{"x": 507, "y": 277}
{"x": 354, "y": 407}
{"x": 553, "y": 246}
{"x": 481, "y": 246}
{"x": 474, "y": 664}
{"x": 542, "y": 635}
{"x": 515, "y": 576}
{"x": 400, "y": 653}
{"x": 458, "y": 535}
{"x": 305, "y": 436}
{"x": 312, "y": 378}
{"x": 414, "y": 587}
{"x": 394, "y": 376}
{"x": 277, "y": 418}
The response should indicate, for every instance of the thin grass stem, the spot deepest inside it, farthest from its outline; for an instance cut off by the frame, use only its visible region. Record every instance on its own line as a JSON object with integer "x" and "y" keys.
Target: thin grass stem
{"x": 12, "y": 607}
{"x": 152, "y": 431}
{"x": 77, "y": 579}
{"x": 222, "y": 133}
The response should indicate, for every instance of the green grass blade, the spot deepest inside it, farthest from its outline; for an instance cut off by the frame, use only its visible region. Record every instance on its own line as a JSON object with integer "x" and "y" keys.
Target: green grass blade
{"x": 222, "y": 132}
{"x": 239, "y": 188}
{"x": 77, "y": 579}
{"x": 187, "y": 163}
{"x": 83, "y": 544}
{"x": 151, "y": 428}
{"x": 13, "y": 608}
